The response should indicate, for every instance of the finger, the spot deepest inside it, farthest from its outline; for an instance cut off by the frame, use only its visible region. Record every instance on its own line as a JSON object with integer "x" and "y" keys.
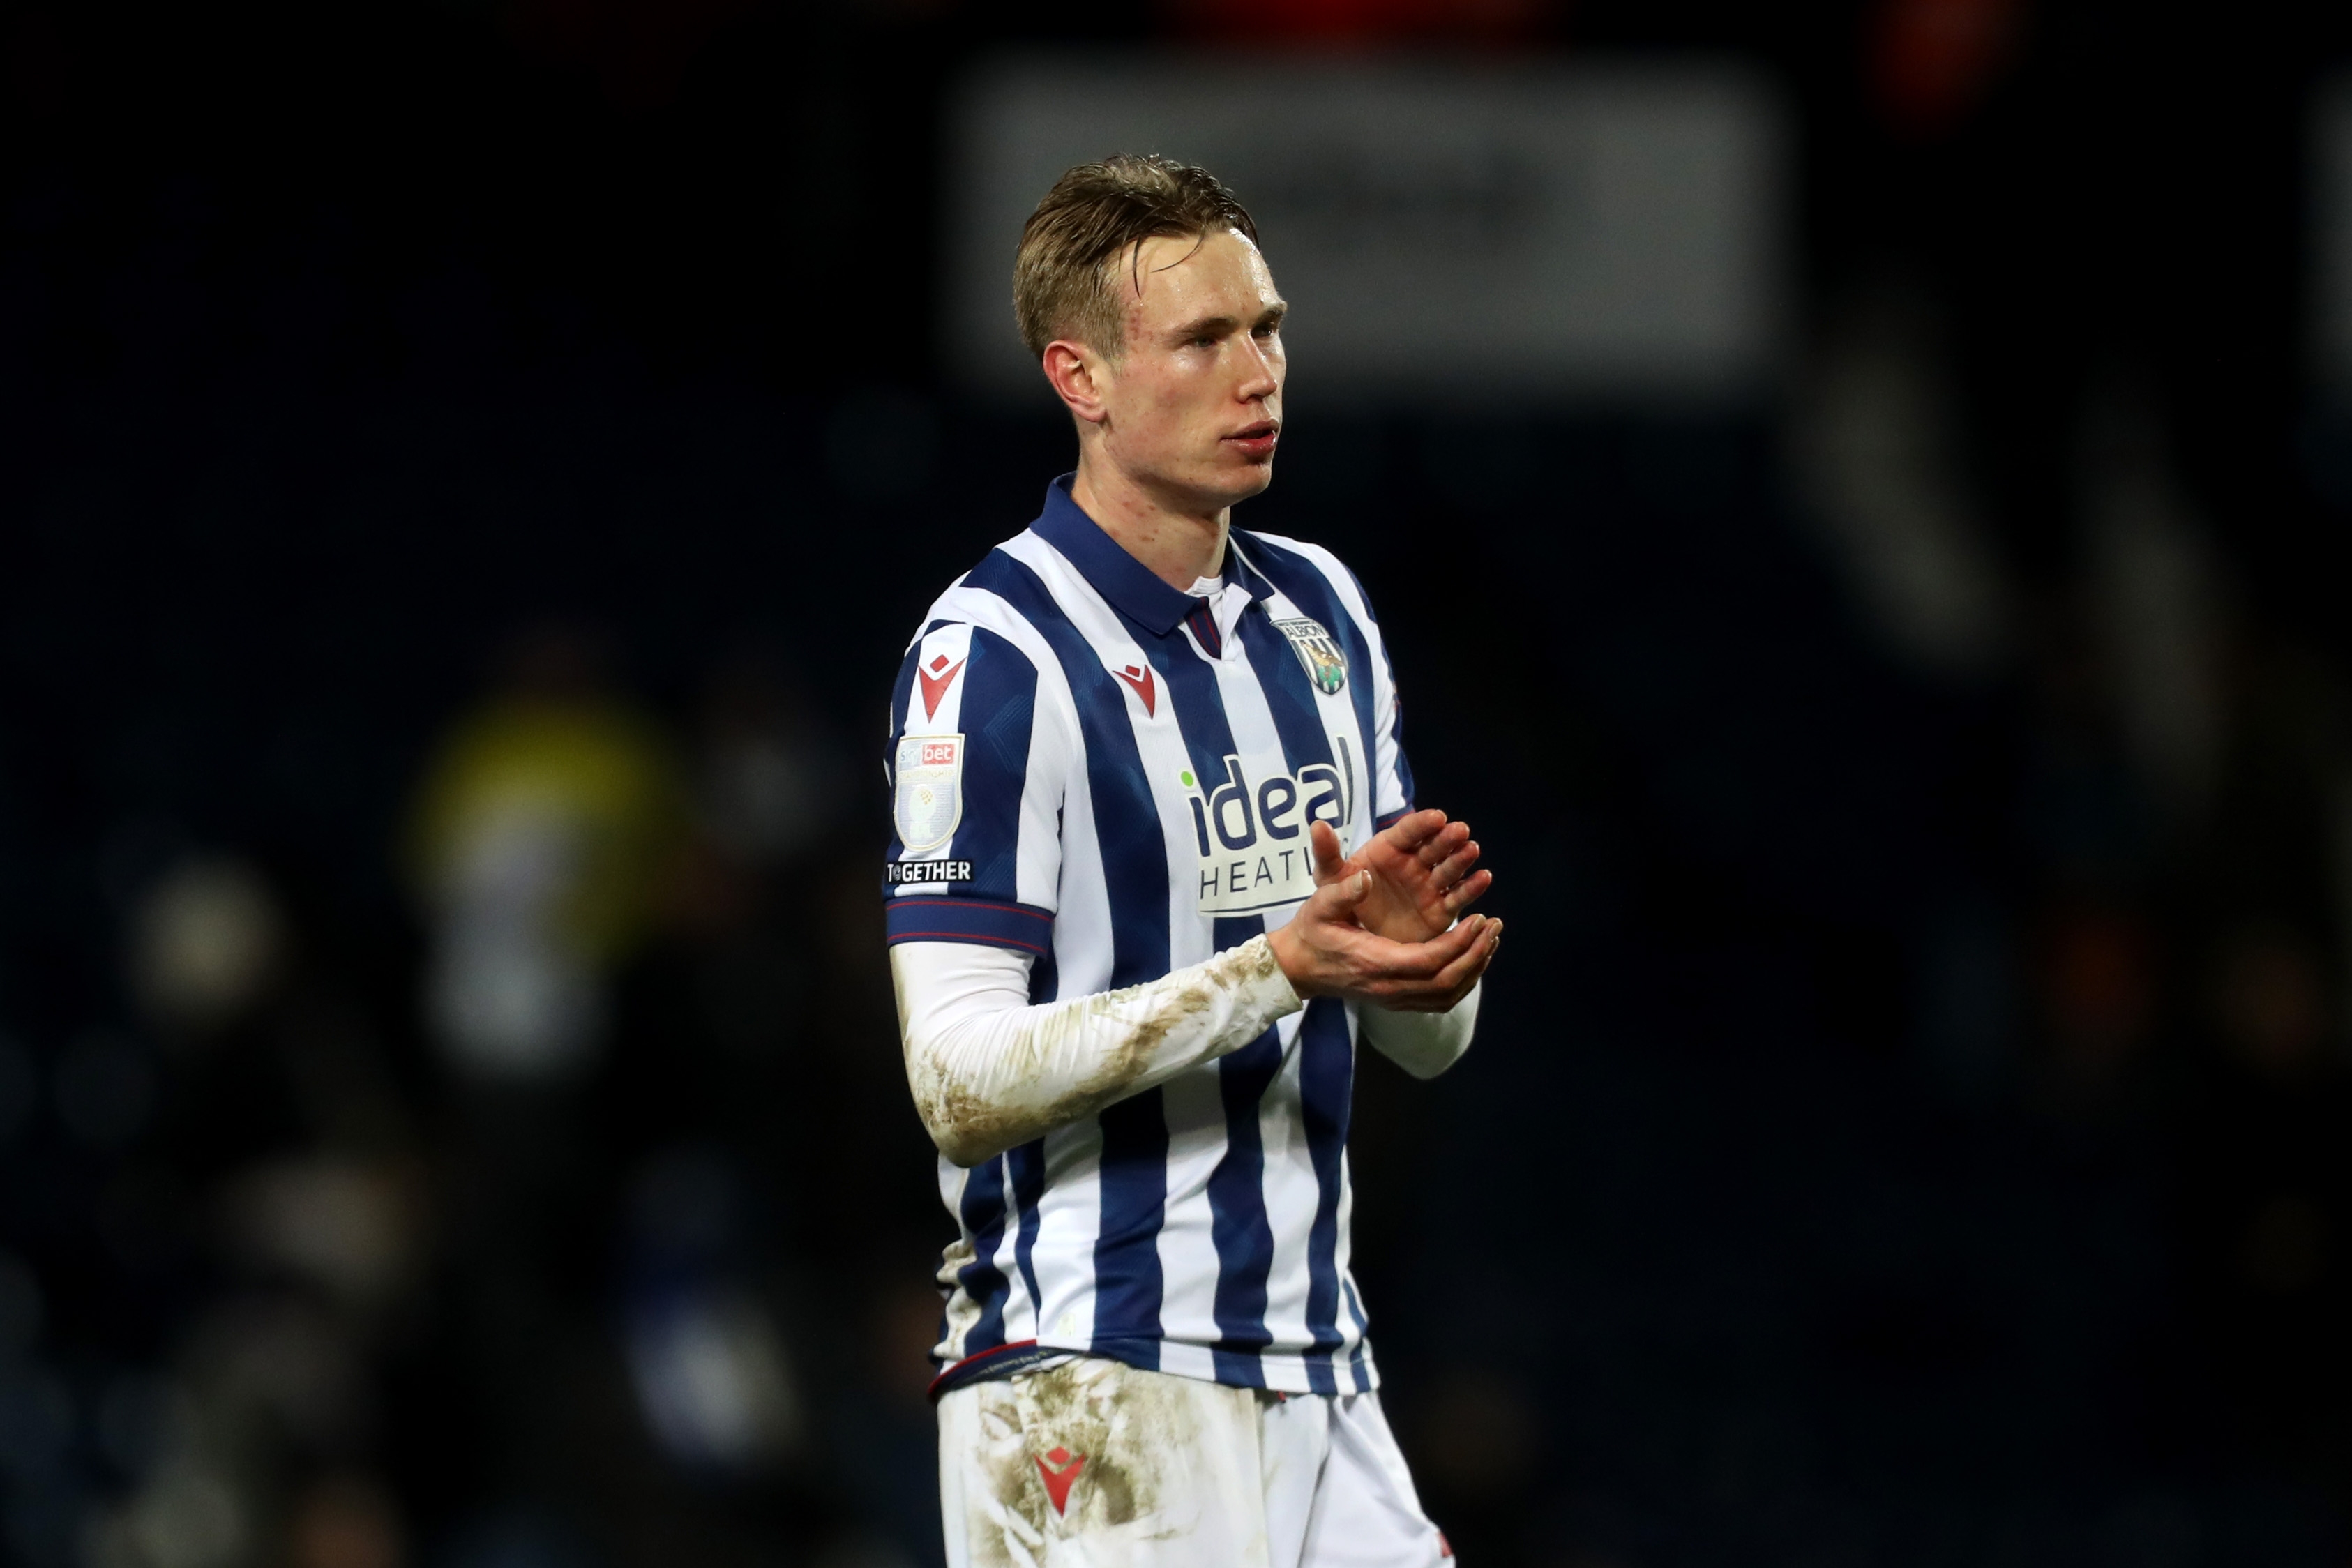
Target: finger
{"x": 1325, "y": 845}
{"x": 1418, "y": 961}
{"x": 1406, "y": 835}
{"x": 1336, "y": 899}
{"x": 1445, "y": 842}
{"x": 1455, "y": 867}
{"x": 1467, "y": 891}
{"x": 1444, "y": 991}
{"x": 1456, "y": 978}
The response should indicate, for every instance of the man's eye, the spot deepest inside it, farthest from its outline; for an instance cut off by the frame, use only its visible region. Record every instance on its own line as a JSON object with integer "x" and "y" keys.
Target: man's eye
{"x": 1204, "y": 341}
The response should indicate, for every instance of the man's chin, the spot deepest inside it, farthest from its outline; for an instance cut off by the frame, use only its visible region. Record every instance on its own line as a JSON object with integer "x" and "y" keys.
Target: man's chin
{"x": 1213, "y": 487}
{"x": 1239, "y": 481}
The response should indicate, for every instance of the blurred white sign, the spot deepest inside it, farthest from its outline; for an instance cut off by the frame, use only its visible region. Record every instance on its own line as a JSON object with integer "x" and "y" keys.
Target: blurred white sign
{"x": 1449, "y": 232}
{"x": 2331, "y": 210}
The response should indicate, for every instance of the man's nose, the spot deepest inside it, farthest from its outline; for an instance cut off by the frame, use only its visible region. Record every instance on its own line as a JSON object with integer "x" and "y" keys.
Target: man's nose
{"x": 1258, "y": 379}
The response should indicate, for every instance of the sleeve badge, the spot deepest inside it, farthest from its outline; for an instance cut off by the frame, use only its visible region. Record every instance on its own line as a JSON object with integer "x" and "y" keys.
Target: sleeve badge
{"x": 928, "y": 802}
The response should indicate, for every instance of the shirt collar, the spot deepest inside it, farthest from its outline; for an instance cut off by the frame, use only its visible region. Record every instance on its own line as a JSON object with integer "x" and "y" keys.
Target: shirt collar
{"x": 1132, "y": 588}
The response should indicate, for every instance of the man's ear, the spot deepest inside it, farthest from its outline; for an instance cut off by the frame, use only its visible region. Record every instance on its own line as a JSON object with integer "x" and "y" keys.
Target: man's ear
{"x": 1079, "y": 376}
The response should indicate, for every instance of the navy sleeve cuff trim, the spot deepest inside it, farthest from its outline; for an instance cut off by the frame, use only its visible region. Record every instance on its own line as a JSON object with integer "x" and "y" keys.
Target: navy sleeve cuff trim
{"x": 921, "y": 918}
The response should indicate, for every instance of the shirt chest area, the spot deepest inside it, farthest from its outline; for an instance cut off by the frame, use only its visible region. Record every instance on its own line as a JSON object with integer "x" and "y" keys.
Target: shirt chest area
{"x": 1233, "y": 779}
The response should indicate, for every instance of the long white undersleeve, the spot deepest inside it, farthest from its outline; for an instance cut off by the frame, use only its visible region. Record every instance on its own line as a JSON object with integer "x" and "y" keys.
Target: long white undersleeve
{"x": 1424, "y": 1044}
{"x": 990, "y": 1070}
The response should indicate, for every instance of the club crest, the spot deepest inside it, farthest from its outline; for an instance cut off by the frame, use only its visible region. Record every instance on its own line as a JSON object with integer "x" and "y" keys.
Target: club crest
{"x": 929, "y": 799}
{"x": 1327, "y": 667}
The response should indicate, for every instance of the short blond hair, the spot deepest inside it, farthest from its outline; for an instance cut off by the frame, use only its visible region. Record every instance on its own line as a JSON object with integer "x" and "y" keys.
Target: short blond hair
{"x": 1095, "y": 214}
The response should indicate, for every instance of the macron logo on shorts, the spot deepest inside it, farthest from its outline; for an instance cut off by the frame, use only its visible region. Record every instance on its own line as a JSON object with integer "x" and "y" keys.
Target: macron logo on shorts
{"x": 1060, "y": 1469}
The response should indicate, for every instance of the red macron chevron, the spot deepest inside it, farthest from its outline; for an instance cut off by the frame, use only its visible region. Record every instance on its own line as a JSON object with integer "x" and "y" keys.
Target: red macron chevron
{"x": 1140, "y": 682}
{"x": 936, "y": 681}
{"x": 1060, "y": 1469}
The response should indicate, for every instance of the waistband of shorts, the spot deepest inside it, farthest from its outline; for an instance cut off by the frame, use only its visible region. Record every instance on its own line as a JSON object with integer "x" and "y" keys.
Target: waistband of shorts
{"x": 1007, "y": 1360}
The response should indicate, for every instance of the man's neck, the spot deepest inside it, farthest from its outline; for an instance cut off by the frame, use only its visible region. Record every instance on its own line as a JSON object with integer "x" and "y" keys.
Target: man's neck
{"x": 1179, "y": 547}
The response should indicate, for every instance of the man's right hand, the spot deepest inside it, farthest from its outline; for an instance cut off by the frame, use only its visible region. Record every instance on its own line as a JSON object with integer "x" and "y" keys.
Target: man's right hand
{"x": 1326, "y": 953}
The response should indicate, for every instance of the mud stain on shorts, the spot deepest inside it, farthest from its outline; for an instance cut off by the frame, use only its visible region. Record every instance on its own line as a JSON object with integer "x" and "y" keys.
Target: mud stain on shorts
{"x": 1135, "y": 1429}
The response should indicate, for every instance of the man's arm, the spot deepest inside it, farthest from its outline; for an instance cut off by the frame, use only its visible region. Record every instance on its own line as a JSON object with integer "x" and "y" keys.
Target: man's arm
{"x": 1424, "y": 1044}
{"x": 990, "y": 1070}
{"x": 1423, "y": 875}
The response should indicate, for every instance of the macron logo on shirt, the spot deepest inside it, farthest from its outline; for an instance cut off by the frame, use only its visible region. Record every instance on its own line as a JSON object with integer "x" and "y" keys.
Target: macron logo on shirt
{"x": 936, "y": 676}
{"x": 1139, "y": 681}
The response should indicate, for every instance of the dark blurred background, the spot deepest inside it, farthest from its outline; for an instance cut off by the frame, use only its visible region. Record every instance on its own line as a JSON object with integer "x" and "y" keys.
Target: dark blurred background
{"x": 468, "y": 468}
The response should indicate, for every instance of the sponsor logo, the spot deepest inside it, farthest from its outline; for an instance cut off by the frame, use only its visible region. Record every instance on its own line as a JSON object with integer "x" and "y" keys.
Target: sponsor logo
{"x": 928, "y": 800}
{"x": 1252, "y": 838}
{"x": 936, "y": 676}
{"x": 928, "y": 871}
{"x": 1327, "y": 666}
{"x": 1139, "y": 681}
{"x": 1060, "y": 1469}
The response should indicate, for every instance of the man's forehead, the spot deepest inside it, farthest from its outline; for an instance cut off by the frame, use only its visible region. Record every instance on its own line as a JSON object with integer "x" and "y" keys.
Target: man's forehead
{"x": 1172, "y": 270}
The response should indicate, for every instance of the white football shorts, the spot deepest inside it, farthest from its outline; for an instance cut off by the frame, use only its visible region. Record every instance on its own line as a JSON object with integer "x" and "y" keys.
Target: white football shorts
{"x": 1095, "y": 1464}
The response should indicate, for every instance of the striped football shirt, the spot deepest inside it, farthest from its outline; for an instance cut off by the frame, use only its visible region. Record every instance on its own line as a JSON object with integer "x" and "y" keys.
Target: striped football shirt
{"x": 1096, "y": 769}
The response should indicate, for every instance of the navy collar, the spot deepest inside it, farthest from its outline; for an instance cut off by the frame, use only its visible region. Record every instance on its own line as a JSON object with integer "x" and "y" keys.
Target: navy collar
{"x": 1132, "y": 588}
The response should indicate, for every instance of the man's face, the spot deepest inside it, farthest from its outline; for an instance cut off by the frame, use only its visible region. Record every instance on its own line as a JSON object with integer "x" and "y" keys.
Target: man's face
{"x": 1194, "y": 405}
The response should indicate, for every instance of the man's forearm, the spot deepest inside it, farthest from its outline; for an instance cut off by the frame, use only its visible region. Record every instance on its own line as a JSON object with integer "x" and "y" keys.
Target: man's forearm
{"x": 1424, "y": 1044}
{"x": 991, "y": 1072}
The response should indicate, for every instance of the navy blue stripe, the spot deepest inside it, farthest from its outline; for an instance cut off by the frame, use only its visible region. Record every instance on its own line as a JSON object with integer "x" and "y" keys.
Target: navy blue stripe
{"x": 1237, "y": 1217}
{"x": 983, "y": 1211}
{"x": 932, "y": 917}
{"x": 1128, "y": 1283}
{"x": 1363, "y": 1339}
{"x": 1396, "y": 739}
{"x": 1191, "y": 682}
{"x": 1326, "y": 1077}
{"x": 1327, "y": 1053}
{"x": 1027, "y": 1162}
{"x": 1238, "y": 1223}
{"x": 902, "y": 692}
{"x": 1311, "y": 591}
{"x": 1126, "y": 819}
{"x": 1129, "y": 1286}
{"x": 998, "y": 716}
{"x": 1026, "y": 1165}
{"x": 1289, "y": 695}
{"x": 1199, "y": 705}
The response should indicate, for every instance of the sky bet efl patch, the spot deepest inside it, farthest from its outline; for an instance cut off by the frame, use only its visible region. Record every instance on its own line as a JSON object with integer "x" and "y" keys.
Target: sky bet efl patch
{"x": 928, "y": 800}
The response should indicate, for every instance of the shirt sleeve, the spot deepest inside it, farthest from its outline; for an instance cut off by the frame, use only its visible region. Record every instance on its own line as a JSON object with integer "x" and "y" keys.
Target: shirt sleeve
{"x": 990, "y": 1070}
{"x": 1424, "y": 1044}
{"x": 975, "y": 843}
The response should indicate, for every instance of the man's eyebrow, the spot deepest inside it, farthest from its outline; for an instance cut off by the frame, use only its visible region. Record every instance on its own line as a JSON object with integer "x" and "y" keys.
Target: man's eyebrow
{"x": 1213, "y": 325}
{"x": 1210, "y": 325}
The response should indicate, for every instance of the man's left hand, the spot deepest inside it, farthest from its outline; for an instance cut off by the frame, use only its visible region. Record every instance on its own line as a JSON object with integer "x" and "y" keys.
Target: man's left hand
{"x": 1423, "y": 874}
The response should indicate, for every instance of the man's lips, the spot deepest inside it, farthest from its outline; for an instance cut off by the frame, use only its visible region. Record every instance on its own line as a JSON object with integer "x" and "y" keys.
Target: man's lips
{"x": 1256, "y": 440}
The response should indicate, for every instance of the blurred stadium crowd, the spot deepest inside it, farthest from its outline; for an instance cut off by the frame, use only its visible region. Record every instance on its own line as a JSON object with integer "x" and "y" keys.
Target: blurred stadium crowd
{"x": 463, "y": 501}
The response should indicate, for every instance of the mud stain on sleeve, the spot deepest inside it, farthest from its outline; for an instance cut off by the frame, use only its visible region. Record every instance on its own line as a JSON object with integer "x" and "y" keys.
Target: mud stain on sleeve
{"x": 1047, "y": 1074}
